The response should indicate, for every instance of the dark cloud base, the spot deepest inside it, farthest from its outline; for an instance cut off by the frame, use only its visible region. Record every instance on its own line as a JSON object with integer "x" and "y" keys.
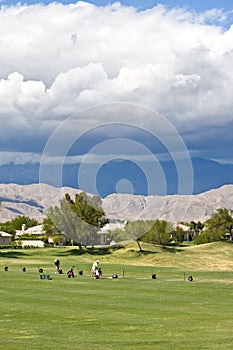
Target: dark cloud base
{"x": 207, "y": 175}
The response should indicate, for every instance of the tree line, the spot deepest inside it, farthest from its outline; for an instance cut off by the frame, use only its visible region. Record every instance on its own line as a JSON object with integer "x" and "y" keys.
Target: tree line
{"x": 79, "y": 220}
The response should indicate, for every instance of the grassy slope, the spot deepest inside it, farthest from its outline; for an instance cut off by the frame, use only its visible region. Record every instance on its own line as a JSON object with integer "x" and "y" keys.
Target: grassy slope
{"x": 212, "y": 256}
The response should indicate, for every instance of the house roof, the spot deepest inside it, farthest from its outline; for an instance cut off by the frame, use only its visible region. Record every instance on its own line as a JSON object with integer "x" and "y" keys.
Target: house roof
{"x": 5, "y": 234}
{"x": 183, "y": 227}
{"x": 35, "y": 230}
{"x": 111, "y": 226}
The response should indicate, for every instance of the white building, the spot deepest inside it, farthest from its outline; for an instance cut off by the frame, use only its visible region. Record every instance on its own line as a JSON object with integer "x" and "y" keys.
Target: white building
{"x": 35, "y": 230}
{"x": 104, "y": 234}
{"x": 32, "y": 243}
{"x": 5, "y": 238}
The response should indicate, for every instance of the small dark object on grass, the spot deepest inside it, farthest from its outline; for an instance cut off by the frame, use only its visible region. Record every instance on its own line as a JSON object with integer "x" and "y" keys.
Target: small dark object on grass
{"x": 45, "y": 277}
{"x": 80, "y": 272}
{"x": 153, "y": 276}
{"x": 70, "y": 273}
{"x": 40, "y": 270}
{"x": 6, "y": 268}
{"x": 24, "y": 269}
{"x": 190, "y": 278}
{"x": 114, "y": 276}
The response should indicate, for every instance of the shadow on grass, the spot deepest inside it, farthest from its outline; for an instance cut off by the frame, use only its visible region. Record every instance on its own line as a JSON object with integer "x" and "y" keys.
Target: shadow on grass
{"x": 167, "y": 249}
{"x": 12, "y": 254}
{"x": 144, "y": 252}
{"x": 172, "y": 249}
{"x": 90, "y": 250}
{"x": 74, "y": 251}
{"x": 228, "y": 242}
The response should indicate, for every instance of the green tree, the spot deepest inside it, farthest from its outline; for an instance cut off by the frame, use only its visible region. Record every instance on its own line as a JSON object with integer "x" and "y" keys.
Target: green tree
{"x": 221, "y": 220}
{"x": 17, "y": 223}
{"x": 196, "y": 228}
{"x": 178, "y": 235}
{"x": 160, "y": 233}
{"x": 8, "y": 227}
{"x": 78, "y": 219}
{"x": 52, "y": 231}
{"x": 219, "y": 223}
{"x": 89, "y": 209}
{"x": 49, "y": 228}
{"x": 116, "y": 234}
{"x": 207, "y": 237}
{"x": 135, "y": 230}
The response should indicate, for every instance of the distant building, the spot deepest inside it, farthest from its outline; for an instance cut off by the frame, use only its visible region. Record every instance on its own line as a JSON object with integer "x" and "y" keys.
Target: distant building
{"x": 186, "y": 229}
{"x": 190, "y": 233}
{"x": 5, "y": 238}
{"x": 103, "y": 235}
{"x": 35, "y": 230}
{"x": 32, "y": 243}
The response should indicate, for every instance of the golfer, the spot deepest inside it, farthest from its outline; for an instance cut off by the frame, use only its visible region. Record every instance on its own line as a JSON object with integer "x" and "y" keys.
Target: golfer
{"x": 57, "y": 264}
{"x": 95, "y": 268}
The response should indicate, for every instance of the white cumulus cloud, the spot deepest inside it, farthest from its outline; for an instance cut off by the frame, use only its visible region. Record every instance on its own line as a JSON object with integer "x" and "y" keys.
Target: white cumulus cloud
{"x": 59, "y": 59}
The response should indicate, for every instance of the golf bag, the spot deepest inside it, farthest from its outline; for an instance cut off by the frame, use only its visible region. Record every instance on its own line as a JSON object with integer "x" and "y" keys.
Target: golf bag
{"x": 97, "y": 273}
{"x": 70, "y": 273}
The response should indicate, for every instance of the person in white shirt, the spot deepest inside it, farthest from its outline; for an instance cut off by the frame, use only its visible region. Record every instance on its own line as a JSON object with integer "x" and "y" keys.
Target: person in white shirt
{"x": 95, "y": 269}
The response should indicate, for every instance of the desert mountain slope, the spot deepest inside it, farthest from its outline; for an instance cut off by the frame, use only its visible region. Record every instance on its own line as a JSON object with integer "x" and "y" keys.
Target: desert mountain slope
{"x": 172, "y": 207}
{"x": 33, "y": 200}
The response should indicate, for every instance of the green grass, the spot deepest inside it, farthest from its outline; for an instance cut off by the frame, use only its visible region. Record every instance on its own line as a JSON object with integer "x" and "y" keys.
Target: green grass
{"x": 134, "y": 312}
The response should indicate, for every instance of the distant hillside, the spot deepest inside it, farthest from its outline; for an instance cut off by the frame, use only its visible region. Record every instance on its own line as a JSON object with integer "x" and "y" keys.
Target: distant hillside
{"x": 208, "y": 174}
{"x": 172, "y": 207}
{"x": 33, "y": 200}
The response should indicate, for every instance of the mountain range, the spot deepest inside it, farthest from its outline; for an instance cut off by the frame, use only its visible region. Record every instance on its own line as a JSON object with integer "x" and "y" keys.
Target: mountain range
{"x": 33, "y": 201}
{"x": 207, "y": 174}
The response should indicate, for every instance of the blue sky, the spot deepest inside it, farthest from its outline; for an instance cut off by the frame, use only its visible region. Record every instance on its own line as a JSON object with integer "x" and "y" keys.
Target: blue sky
{"x": 165, "y": 70}
{"x": 198, "y": 5}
